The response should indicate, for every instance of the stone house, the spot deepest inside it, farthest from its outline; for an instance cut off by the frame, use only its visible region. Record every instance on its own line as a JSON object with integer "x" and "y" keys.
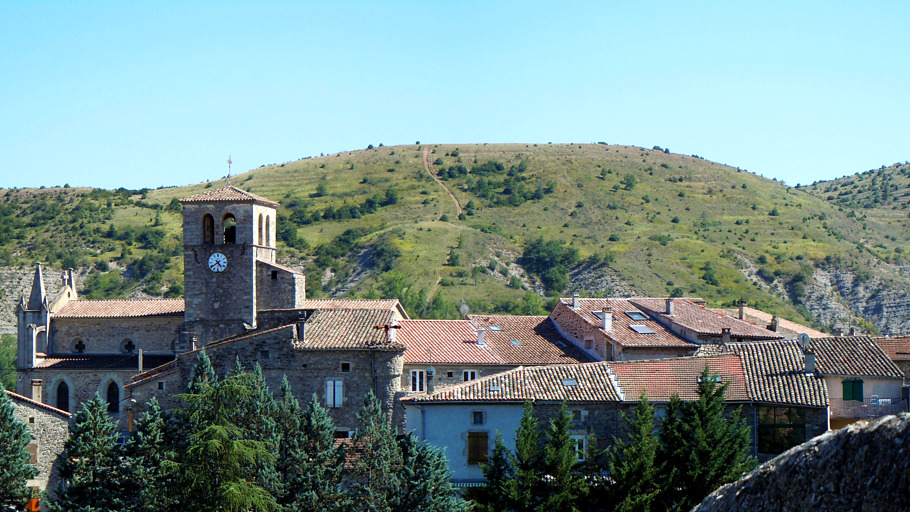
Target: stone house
{"x": 465, "y": 418}
{"x": 445, "y": 352}
{"x": 647, "y": 328}
{"x": 49, "y": 427}
{"x": 863, "y": 382}
{"x": 774, "y": 323}
{"x": 898, "y": 349}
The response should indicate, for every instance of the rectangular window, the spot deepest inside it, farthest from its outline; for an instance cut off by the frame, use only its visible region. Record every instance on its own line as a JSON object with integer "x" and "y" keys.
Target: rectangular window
{"x": 160, "y": 386}
{"x": 470, "y": 375}
{"x": 780, "y": 428}
{"x": 345, "y": 367}
{"x": 477, "y": 417}
{"x": 418, "y": 378}
{"x": 589, "y": 344}
{"x": 264, "y": 355}
{"x": 580, "y": 445}
{"x": 576, "y": 415}
{"x": 853, "y": 389}
{"x": 450, "y": 374}
{"x": 334, "y": 395}
{"x": 477, "y": 447}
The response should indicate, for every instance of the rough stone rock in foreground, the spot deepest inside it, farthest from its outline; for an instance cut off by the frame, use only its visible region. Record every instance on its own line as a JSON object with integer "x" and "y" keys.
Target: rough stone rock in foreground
{"x": 862, "y": 467}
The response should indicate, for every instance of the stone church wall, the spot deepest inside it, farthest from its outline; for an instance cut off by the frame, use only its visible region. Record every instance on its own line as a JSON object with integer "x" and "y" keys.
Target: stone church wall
{"x": 49, "y": 431}
{"x": 278, "y": 289}
{"x": 108, "y": 335}
{"x": 83, "y": 384}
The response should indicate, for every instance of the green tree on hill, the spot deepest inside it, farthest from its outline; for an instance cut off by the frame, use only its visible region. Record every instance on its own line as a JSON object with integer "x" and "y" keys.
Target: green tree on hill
{"x": 633, "y": 463}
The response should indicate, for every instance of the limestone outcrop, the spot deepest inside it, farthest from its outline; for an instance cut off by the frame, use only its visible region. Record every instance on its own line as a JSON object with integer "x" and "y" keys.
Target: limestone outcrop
{"x": 862, "y": 467}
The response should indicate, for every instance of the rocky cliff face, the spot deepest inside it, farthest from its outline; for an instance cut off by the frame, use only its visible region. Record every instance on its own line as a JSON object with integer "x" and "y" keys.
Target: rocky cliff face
{"x": 862, "y": 467}
{"x": 837, "y": 297}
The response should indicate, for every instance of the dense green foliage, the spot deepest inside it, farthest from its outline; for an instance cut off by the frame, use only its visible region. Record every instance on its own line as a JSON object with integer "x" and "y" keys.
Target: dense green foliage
{"x": 8, "y": 361}
{"x": 697, "y": 448}
{"x": 234, "y": 447}
{"x": 15, "y": 469}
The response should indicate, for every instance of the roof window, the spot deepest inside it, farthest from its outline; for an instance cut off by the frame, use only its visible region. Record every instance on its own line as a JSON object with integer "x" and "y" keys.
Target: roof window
{"x": 642, "y": 329}
{"x": 636, "y": 315}
{"x": 515, "y": 342}
{"x": 715, "y": 377}
{"x": 495, "y": 388}
{"x": 569, "y": 382}
{"x": 495, "y": 328}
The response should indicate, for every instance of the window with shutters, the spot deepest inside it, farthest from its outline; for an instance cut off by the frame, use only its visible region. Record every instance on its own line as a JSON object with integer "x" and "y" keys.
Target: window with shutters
{"x": 418, "y": 379}
{"x": 334, "y": 394}
{"x": 853, "y": 389}
{"x": 477, "y": 447}
{"x": 469, "y": 375}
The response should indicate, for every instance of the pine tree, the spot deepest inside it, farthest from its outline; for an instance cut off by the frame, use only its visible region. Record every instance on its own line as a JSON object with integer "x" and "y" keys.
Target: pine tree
{"x": 423, "y": 480}
{"x": 527, "y": 484}
{"x": 218, "y": 470}
{"x": 15, "y": 469}
{"x": 149, "y": 463}
{"x": 565, "y": 485}
{"x": 203, "y": 373}
{"x": 318, "y": 485}
{"x": 498, "y": 471}
{"x": 672, "y": 452}
{"x": 377, "y": 456}
{"x": 632, "y": 463}
{"x": 91, "y": 466}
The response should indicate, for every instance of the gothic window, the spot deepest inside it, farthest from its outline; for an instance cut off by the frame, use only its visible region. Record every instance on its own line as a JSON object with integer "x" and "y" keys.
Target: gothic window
{"x": 63, "y": 397}
{"x": 230, "y": 229}
{"x": 261, "y": 240}
{"x": 208, "y": 229}
{"x": 79, "y": 346}
{"x": 113, "y": 398}
{"x": 127, "y": 347}
{"x": 268, "y": 231}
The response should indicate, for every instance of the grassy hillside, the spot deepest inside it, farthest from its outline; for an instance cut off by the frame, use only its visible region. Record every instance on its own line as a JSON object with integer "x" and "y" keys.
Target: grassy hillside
{"x": 373, "y": 222}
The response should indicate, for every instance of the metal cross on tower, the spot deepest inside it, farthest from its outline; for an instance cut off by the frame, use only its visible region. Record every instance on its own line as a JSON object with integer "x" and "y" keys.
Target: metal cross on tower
{"x": 229, "y": 169}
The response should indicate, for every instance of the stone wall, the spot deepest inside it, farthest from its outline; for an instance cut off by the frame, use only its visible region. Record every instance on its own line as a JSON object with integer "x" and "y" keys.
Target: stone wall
{"x": 49, "y": 431}
{"x": 154, "y": 335}
{"x": 442, "y": 378}
{"x": 83, "y": 384}
{"x": 278, "y": 289}
{"x": 576, "y": 329}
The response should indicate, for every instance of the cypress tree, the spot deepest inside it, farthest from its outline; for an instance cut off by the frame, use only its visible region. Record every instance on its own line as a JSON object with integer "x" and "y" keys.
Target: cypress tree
{"x": 318, "y": 485}
{"x": 565, "y": 485}
{"x": 528, "y": 480}
{"x": 632, "y": 463}
{"x": 672, "y": 452}
{"x": 15, "y": 469}
{"x": 377, "y": 457}
{"x": 423, "y": 480}
{"x": 91, "y": 466}
{"x": 498, "y": 471}
{"x": 149, "y": 463}
{"x": 203, "y": 373}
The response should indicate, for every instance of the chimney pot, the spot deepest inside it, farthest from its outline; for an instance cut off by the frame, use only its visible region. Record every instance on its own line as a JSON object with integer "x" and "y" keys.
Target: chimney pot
{"x": 37, "y": 387}
{"x": 575, "y": 300}
{"x": 669, "y": 307}
{"x": 810, "y": 362}
{"x": 725, "y": 334}
{"x": 775, "y": 323}
{"x": 480, "y": 337}
{"x": 742, "y": 310}
{"x": 607, "y": 320}
{"x": 431, "y": 382}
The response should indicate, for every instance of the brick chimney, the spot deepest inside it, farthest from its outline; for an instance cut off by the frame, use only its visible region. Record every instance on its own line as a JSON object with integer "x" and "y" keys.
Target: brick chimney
{"x": 37, "y": 386}
{"x": 575, "y": 301}
{"x": 606, "y": 321}
{"x": 775, "y": 323}
{"x": 669, "y": 310}
{"x": 725, "y": 334}
{"x": 742, "y": 310}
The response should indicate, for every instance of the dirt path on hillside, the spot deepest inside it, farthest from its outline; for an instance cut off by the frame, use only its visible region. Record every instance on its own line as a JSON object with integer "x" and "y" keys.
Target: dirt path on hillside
{"x": 426, "y": 166}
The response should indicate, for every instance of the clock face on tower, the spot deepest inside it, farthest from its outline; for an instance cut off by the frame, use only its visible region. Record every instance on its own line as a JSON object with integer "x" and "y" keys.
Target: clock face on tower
{"x": 217, "y": 262}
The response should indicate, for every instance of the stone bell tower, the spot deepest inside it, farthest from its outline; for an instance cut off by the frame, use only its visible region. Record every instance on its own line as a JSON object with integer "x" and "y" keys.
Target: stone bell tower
{"x": 225, "y": 232}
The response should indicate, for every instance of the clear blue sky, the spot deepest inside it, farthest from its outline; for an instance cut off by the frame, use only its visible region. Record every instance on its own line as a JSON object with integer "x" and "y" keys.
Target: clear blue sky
{"x": 144, "y": 94}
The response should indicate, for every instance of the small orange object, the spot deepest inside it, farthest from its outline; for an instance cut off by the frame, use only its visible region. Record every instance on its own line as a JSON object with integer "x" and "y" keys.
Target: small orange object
{"x": 33, "y": 505}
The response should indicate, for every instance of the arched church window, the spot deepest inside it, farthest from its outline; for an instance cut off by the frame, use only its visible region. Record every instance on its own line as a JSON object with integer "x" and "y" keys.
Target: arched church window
{"x": 127, "y": 347}
{"x": 268, "y": 232}
{"x": 63, "y": 396}
{"x": 230, "y": 229}
{"x": 113, "y": 398}
{"x": 260, "y": 230}
{"x": 208, "y": 229}
{"x": 79, "y": 346}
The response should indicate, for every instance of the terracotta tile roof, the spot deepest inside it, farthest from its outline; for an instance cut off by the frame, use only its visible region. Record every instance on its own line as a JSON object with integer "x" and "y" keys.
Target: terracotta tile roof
{"x": 455, "y": 341}
{"x": 853, "y": 356}
{"x": 622, "y": 333}
{"x": 897, "y": 348}
{"x": 349, "y": 329}
{"x": 102, "y": 361}
{"x": 659, "y": 379}
{"x": 386, "y": 304}
{"x": 760, "y": 318}
{"x": 279, "y": 266}
{"x": 543, "y": 383}
{"x": 702, "y": 320}
{"x": 229, "y": 194}
{"x": 16, "y": 397}
{"x": 775, "y": 373}
{"x": 121, "y": 308}
{"x": 158, "y": 371}
{"x": 443, "y": 342}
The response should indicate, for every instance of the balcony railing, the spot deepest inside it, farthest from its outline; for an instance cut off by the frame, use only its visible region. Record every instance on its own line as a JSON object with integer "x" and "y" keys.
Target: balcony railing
{"x": 874, "y": 407}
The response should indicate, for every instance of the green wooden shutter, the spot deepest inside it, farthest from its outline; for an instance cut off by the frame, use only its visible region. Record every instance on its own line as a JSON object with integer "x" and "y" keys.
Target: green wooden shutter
{"x": 858, "y": 390}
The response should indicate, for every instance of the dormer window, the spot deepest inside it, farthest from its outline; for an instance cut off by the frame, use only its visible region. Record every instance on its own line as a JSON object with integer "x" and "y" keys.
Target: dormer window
{"x": 208, "y": 229}
{"x": 230, "y": 229}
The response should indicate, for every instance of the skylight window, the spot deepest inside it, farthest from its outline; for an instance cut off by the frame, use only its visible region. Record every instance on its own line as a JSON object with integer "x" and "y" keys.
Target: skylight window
{"x": 715, "y": 377}
{"x": 515, "y": 342}
{"x": 495, "y": 388}
{"x": 642, "y": 329}
{"x": 636, "y": 315}
{"x": 569, "y": 382}
{"x": 495, "y": 328}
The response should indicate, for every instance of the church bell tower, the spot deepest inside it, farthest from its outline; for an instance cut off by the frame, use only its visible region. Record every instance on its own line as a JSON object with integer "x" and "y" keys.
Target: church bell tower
{"x": 225, "y": 232}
